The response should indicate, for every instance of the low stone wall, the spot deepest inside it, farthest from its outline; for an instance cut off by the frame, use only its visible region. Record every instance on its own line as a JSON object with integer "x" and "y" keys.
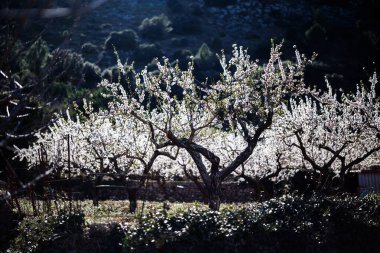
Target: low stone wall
{"x": 181, "y": 191}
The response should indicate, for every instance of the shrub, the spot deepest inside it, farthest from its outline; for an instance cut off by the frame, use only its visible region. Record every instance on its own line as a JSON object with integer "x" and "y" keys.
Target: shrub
{"x": 123, "y": 40}
{"x": 183, "y": 57}
{"x": 35, "y": 59}
{"x": 205, "y": 58}
{"x": 66, "y": 66}
{"x": 10, "y": 49}
{"x": 146, "y": 52}
{"x": 48, "y": 234}
{"x": 285, "y": 224}
{"x": 105, "y": 238}
{"x": 89, "y": 48}
{"x": 126, "y": 79}
{"x": 155, "y": 28}
{"x": 91, "y": 75}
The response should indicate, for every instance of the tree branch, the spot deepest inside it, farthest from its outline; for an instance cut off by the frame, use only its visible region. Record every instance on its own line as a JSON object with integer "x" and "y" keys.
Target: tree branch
{"x": 247, "y": 152}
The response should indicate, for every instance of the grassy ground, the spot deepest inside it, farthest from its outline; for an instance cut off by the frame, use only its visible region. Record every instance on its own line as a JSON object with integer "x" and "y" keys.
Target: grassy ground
{"x": 117, "y": 211}
{"x": 111, "y": 211}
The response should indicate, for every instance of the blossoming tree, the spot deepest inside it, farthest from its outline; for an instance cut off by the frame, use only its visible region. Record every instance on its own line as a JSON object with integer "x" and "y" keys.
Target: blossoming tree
{"x": 243, "y": 101}
{"x": 333, "y": 133}
{"x": 241, "y": 125}
{"x": 107, "y": 142}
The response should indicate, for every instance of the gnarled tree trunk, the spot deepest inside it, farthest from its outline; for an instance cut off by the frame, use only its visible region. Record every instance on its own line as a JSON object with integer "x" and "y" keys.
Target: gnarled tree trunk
{"x": 214, "y": 192}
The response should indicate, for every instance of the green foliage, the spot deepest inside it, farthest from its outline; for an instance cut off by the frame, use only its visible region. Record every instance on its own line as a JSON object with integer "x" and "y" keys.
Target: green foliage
{"x": 95, "y": 95}
{"x": 155, "y": 28}
{"x": 123, "y": 40}
{"x": 183, "y": 56}
{"x": 66, "y": 66}
{"x": 91, "y": 75}
{"x": 10, "y": 50}
{"x": 147, "y": 52}
{"x": 36, "y": 56}
{"x": 26, "y": 63}
{"x": 105, "y": 238}
{"x": 285, "y": 224}
{"x": 89, "y": 48}
{"x": 205, "y": 58}
{"x": 48, "y": 234}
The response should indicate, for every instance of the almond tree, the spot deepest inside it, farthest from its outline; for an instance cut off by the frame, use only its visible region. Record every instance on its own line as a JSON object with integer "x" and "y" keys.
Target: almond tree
{"x": 244, "y": 101}
{"x": 106, "y": 142}
{"x": 333, "y": 133}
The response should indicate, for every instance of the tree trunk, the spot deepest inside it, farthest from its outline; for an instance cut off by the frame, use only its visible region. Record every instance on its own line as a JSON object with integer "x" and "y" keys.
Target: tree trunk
{"x": 132, "y": 197}
{"x": 214, "y": 201}
{"x": 214, "y": 193}
{"x": 95, "y": 191}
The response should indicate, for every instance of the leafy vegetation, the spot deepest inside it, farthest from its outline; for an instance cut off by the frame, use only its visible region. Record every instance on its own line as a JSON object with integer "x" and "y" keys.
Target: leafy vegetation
{"x": 290, "y": 223}
{"x": 124, "y": 40}
{"x": 208, "y": 119}
{"x": 155, "y": 28}
{"x": 284, "y": 224}
{"x": 48, "y": 233}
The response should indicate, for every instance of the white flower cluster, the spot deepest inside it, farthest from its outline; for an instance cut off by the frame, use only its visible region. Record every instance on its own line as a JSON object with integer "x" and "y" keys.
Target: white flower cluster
{"x": 101, "y": 142}
{"x": 331, "y": 132}
{"x": 242, "y": 122}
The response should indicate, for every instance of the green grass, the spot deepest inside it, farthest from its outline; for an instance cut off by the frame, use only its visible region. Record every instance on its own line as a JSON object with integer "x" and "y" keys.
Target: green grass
{"x": 114, "y": 211}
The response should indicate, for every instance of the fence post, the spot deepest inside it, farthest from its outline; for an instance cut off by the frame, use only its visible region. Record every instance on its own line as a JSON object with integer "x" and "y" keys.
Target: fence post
{"x": 69, "y": 167}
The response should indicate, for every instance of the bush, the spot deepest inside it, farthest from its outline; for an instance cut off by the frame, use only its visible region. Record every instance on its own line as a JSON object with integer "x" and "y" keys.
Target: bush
{"x": 66, "y": 66}
{"x": 183, "y": 57}
{"x": 105, "y": 238}
{"x": 89, "y": 48}
{"x": 155, "y": 28}
{"x": 126, "y": 79}
{"x": 205, "y": 58}
{"x": 10, "y": 49}
{"x": 35, "y": 59}
{"x": 146, "y": 52}
{"x": 48, "y": 234}
{"x": 124, "y": 40}
{"x": 91, "y": 75}
{"x": 285, "y": 224}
